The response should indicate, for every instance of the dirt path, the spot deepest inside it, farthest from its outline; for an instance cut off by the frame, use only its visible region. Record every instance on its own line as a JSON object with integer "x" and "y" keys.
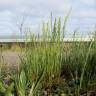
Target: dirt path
{"x": 11, "y": 58}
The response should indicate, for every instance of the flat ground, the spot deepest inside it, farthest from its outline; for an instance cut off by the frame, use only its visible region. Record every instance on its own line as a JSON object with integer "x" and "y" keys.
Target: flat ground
{"x": 11, "y": 58}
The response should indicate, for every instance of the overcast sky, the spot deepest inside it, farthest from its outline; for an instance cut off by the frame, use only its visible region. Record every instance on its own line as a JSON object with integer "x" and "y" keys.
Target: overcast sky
{"x": 83, "y": 14}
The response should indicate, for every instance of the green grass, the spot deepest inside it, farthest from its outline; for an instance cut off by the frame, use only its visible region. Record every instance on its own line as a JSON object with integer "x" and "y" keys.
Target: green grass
{"x": 52, "y": 67}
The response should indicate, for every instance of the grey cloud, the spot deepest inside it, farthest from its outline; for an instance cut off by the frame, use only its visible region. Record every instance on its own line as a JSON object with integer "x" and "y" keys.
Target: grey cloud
{"x": 36, "y": 10}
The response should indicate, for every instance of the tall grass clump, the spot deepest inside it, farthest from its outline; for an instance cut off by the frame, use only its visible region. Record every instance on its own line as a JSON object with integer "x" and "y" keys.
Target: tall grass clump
{"x": 44, "y": 56}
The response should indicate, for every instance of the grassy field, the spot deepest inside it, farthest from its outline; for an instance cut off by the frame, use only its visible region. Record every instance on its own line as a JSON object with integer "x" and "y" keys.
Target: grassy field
{"x": 51, "y": 67}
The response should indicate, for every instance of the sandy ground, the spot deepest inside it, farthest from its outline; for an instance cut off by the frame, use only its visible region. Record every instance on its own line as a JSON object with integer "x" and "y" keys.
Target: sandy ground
{"x": 11, "y": 58}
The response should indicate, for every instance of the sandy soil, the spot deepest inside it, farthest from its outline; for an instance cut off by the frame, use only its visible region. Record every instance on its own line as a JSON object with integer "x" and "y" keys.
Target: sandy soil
{"x": 11, "y": 58}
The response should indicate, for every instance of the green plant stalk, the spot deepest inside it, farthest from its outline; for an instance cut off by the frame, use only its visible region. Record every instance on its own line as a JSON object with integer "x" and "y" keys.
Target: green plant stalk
{"x": 85, "y": 64}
